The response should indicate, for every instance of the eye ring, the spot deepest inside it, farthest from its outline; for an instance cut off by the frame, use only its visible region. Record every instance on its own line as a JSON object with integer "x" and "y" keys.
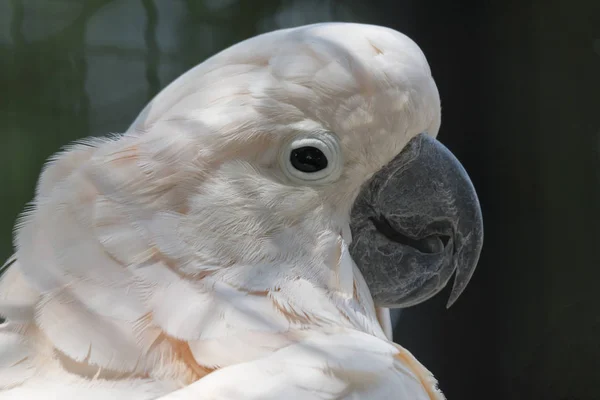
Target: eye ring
{"x": 322, "y": 165}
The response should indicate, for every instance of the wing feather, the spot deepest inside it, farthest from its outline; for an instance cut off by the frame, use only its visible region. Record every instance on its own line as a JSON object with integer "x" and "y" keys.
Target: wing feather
{"x": 58, "y": 387}
{"x": 15, "y": 364}
{"x": 17, "y": 297}
{"x": 342, "y": 365}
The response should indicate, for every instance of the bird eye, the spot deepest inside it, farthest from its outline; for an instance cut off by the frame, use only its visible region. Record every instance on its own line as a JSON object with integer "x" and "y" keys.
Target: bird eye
{"x": 308, "y": 159}
{"x": 316, "y": 158}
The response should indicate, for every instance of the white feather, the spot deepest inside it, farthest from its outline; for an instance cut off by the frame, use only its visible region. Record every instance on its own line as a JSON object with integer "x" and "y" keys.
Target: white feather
{"x": 178, "y": 259}
{"x": 335, "y": 365}
{"x": 15, "y": 364}
{"x": 17, "y": 297}
{"x": 85, "y": 336}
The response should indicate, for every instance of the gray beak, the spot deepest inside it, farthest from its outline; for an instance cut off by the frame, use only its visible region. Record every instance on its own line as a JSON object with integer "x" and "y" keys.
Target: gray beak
{"x": 414, "y": 223}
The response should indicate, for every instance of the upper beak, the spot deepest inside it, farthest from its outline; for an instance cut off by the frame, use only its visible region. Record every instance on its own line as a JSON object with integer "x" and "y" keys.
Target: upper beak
{"x": 414, "y": 223}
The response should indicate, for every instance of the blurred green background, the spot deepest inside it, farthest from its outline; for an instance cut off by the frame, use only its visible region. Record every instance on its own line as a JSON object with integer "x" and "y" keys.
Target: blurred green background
{"x": 520, "y": 87}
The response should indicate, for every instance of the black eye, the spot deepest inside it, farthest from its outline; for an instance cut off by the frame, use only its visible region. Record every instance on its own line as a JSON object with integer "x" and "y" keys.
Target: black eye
{"x": 308, "y": 159}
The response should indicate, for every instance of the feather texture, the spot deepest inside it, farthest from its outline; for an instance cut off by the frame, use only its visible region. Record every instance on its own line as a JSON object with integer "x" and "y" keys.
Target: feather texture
{"x": 340, "y": 365}
{"x": 178, "y": 259}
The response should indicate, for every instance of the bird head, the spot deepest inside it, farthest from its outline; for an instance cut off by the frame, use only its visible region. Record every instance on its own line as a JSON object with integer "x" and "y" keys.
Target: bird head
{"x": 263, "y": 162}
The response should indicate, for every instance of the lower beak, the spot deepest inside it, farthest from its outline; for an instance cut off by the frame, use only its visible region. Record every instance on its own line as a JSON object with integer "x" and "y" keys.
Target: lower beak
{"x": 415, "y": 223}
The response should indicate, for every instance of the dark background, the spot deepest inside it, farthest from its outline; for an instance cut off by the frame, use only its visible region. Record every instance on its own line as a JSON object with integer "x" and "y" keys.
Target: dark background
{"x": 520, "y": 88}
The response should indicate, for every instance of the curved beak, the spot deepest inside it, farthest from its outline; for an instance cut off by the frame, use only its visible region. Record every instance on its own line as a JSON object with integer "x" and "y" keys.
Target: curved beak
{"x": 415, "y": 223}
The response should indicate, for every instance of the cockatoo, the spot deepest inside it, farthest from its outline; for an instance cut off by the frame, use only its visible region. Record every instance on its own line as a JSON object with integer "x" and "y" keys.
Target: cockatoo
{"x": 247, "y": 235}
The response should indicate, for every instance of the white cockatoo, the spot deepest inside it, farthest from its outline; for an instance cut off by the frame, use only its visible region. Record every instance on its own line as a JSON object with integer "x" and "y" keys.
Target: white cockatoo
{"x": 247, "y": 235}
